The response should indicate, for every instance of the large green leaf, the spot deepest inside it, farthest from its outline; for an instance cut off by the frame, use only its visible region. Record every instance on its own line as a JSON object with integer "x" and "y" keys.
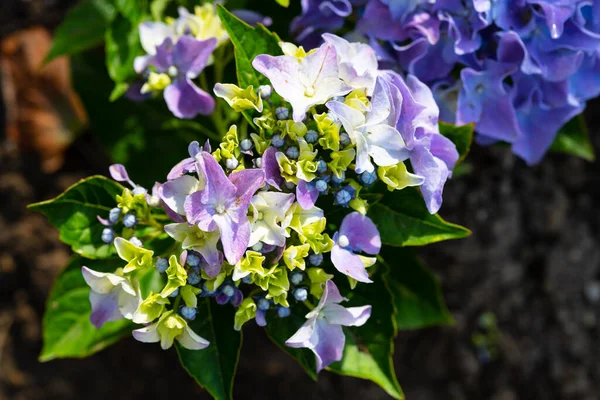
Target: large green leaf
{"x": 214, "y": 367}
{"x": 122, "y": 47}
{"x": 574, "y": 139}
{"x": 83, "y": 28}
{"x": 281, "y": 329}
{"x": 403, "y": 220}
{"x": 369, "y": 348}
{"x": 461, "y": 136}
{"x": 249, "y": 42}
{"x": 75, "y": 212}
{"x": 416, "y": 292}
{"x": 67, "y": 329}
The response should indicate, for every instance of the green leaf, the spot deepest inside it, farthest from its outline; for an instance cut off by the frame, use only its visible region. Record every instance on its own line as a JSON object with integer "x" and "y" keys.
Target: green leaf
{"x": 403, "y": 220}
{"x": 461, "y": 136}
{"x": 75, "y": 212}
{"x": 574, "y": 139}
{"x": 283, "y": 3}
{"x": 249, "y": 42}
{"x": 67, "y": 330}
{"x": 369, "y": 348}
{"x": 281, "y": 329}
{"x": 132, "y": 9}
{"x": 82, "y": 28}
{"x": 157, "y": 9}
{"x": 214, "y": 367}
{"x": 122, "y": 47}
{"x": 416, "y": 292}
{"x": 119, "y": 90}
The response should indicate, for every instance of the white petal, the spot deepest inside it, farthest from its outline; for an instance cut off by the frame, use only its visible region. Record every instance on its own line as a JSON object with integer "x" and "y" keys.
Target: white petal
{"x": 191, "y": 341}
{"x": 302, "y": 337}
{"x": 101, "y": 282}
{"x": 174, "y": 192}
{"x": 147, "y": 334}
{"x": 152, "y": 34}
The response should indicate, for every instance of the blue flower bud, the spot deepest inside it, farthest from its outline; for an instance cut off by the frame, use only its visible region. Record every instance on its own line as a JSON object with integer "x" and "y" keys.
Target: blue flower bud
{"x": 161, "y": 264}
{"x": 129, "y": 220}
{"x": 188, "y": 313}
{"x": 231, "y": 163}
{"x": 258, "y": 246}
{"x": 321, "y": 185}
{"x": 265, "y": 91}
{"x": 175, "y": 293}
{"x": 311, "y": 136}
{"x": 321, "y": 166}
{"x": 301, "y": 294}
{"x": 315, "y": 259}
{"x": 136, "y": 242}
{"x": 342, "y": 197}
{"x": 246, "y": 144}
{"x": 350, "y": 189}
{"x": 368, "y": 178}
{"x": 292, "y": 152}
{"x": 277, "y": 141}
{"x": 340, "y": 180}
{"x": 108, "y": 235}
{"x": 228, "y": 290}
{"x": 206, "y": 292}
{"x": 193, "y": 278}
{"x": 344, "y": 139}
{"x": 289, "y": 185}
{"x": 283, "y": 312}
{"x": 263, "y": 304}
{"x": 296, "y": 277}
{"x": 282, "y": 113}
{"x": 192, "y": 259}
{"x": 247, "y": 279}
{"x": 114, "y": 215}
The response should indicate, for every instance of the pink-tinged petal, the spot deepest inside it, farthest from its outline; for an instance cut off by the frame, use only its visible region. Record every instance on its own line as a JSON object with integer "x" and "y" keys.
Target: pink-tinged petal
{"x": 191, "y": 341}
{"x": 271, "y": 167}
{"x": 352, "y": 316}
{"x": 218, "y": 188}
{"x": 330, "y": 345}
{"x": 303, "y": 336}
{"x": 183, "y": 167}
{"x": 435, "y": 173}
{"x": 331, "y": 294}
{"x": 234, "y": 237}
{"x": 247, "y": 182}
{"x": 198, "y": 213}
{"x": 147, "y": 334}
{"x": 103, "y": 221}
{"x": 380, "y": 104}
{"x": 119, "y": 173}
{"x": 361, "y": 232}
{"x": 282, "y": 71}
{"x": 174, "y": 192}
{"x": 306, "y": 194}
{"x": 186, "y": 100}
{"x": 213, "y": 270}
{"x": 349, "y": 264}
{"x": 190, "y": 55}
{"x": 105, "y": 307}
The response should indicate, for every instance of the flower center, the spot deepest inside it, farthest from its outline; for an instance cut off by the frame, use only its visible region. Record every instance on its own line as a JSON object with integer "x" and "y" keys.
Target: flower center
{"x": 172, "y": 71}
{"x": 220, "y": 208}
{"x": 343, "y": 241}
{"x": 309, "y": 91}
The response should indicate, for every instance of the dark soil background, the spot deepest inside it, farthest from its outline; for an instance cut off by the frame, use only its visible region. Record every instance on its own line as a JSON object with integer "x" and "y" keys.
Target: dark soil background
{"x": 533, "y": 261}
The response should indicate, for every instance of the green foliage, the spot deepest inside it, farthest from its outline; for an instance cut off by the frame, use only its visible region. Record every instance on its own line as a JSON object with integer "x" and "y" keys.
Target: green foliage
{"x": 82, "y": 28}
{"x": 369, "y": 348}
{"x": 403, "y": 220}
{"x": 249, "y": 42}
{"x": 461, "y": 136}
{"x": 283, "y": 3}
{"x": 74, "y": 213}
{"x": 417, "y": 296}
{"x": 122, "y": 47}
{"x": 281, "y": 329}
{"x": 214, "y": 367}
{"x": 67, "y": 329}
{"x": 574, "y": 139}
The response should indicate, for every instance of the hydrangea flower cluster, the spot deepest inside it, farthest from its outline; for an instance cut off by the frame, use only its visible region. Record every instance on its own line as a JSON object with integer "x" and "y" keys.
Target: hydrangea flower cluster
{"x": 244, "y": 218}
{"x": 518, "y": 69}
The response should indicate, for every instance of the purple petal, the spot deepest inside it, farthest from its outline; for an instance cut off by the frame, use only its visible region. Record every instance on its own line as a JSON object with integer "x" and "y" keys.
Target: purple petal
{"x": 330, "y": 344}
{"x": 271, "y": 168}
{"x": 353, "y": 316}
{"x": 349, "y": 264}
{"x": 237, "y": 298}
{"x": 235, "y": 237}
{"x": 186, "y": 100}
{"x": 119, "y": 173}
{"x": 246, "y": 182}
{"x": 435, "y": 173}
{"x": 444, "y": 149}
{"x": 260, "y": 318}
{"x": 252, "y": 17}
{"x": 306, "y": 194}
{"x": 175, "y": 192}
{"x": 361, "y": 233}
{"x": 103, "y": 221}
{"x": 194, "y": 148}
{"x": 331, "y": 294}
{"x": 213, "y": 270}
{"x": 190, "y": 55}
{"x": 183, "y": 167}
{"x": 105, "y": 308}
{"x": 221, "y": 298}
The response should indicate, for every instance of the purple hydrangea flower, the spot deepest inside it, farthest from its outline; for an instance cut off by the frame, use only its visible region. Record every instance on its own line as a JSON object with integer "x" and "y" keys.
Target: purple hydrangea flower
{"x": 223, "y": 203}
{"x": 322, "y": 333}
{"x": 319, "y": 16}
{"x": 357, "y": 234}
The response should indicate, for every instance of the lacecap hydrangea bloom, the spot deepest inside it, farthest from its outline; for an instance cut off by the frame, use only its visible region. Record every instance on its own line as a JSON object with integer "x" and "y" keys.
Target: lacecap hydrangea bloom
{"x": 526, "y": 66}
{"x": 247, "y": 218}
